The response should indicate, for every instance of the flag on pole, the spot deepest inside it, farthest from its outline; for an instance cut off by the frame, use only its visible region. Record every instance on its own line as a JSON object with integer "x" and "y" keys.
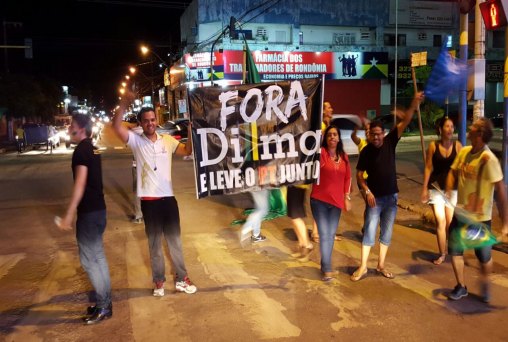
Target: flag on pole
{"x": 277, "y": 202}
{"x": 448, "y": 76}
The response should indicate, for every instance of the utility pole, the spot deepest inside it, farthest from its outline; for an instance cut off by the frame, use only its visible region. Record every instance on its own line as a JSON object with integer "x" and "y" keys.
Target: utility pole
{"x": 479, "y": 54}
{"x": 463, "y": 42}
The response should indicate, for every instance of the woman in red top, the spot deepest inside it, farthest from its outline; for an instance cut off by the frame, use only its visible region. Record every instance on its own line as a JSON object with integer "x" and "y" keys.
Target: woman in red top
{"x": 331, "y": 195}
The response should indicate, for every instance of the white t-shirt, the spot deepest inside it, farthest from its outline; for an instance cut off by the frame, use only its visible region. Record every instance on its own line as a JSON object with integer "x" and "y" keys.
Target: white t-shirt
{"x": 153, "y": 160}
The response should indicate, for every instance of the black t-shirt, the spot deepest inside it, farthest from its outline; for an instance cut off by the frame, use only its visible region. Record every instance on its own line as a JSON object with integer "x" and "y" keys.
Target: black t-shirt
{"x": 87, "y": 155}
{"x": 380, "y": 165}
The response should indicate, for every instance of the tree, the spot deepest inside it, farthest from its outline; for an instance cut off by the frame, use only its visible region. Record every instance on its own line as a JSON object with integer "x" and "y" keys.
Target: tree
{"x": 25, "y": 96}
{"x": 430, "y": 112}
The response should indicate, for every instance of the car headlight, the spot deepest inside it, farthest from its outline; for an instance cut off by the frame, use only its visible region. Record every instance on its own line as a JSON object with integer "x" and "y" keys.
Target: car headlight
{"x": 95, "y": 129}
{"x": 67, "y": 137}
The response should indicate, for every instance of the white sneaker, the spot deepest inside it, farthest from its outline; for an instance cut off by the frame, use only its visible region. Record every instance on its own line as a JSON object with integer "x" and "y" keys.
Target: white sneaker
{"x": 158, "y": 291}
{"x": 185, "y": 286}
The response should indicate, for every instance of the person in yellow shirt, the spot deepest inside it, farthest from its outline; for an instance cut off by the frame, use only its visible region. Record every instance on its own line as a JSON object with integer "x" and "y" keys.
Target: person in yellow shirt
{"x": 478, "y": 173}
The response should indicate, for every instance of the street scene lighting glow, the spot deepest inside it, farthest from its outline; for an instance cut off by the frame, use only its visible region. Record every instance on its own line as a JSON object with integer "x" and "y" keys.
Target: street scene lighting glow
{"x": 132, "y": 70}
{"x": 122, "y": 91}
{"x": 124, "y": 84}
{"x": 127, "y": 77}
{"x": 144, "y": 50}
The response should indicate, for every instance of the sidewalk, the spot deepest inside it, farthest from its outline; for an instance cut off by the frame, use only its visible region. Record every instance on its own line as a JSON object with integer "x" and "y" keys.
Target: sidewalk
{"x": 7, "y": 146}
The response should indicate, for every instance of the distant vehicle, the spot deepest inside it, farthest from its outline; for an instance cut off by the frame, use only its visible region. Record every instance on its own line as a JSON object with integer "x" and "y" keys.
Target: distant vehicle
{"x": 176, "y": 128}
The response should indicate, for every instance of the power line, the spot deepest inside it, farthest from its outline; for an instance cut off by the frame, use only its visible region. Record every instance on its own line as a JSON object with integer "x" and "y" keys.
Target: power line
{"x": 144, "y": 3}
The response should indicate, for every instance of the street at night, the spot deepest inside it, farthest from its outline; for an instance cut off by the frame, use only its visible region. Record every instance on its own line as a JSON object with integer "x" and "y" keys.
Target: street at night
{"x": 254, "y": 293}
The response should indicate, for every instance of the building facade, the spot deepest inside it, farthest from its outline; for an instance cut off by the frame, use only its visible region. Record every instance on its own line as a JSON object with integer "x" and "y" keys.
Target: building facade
{"x": 361, "y": 47}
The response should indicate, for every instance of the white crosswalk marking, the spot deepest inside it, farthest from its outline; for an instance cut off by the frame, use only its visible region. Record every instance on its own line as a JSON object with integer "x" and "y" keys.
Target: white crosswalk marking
{"x": 155, "y": 313}
{"x": 8, "y": 261}
{"x": 265, "y": 315}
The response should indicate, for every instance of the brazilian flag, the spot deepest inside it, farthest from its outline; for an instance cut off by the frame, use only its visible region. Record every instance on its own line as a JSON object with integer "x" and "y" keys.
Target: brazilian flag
{"x": 277, "y": 201}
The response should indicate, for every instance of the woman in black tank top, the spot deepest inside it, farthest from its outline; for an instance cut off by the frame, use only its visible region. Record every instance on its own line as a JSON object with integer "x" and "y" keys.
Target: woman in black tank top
{"x": 440, "y": 156}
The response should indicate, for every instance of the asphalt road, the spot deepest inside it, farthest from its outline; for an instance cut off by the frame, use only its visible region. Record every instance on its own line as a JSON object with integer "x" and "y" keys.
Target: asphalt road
{"x": 254, "y": 293}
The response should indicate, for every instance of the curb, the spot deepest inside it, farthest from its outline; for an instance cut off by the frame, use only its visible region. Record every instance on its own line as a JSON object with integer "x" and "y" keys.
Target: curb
{"x": 428, "y": 216}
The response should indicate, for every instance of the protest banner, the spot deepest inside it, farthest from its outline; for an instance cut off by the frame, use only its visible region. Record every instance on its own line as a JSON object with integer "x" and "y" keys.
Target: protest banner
{"x": 256, "y": 136}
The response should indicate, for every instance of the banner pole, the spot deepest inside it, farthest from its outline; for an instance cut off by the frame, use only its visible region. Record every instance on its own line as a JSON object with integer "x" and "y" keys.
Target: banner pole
{"x": 422, "y": 142}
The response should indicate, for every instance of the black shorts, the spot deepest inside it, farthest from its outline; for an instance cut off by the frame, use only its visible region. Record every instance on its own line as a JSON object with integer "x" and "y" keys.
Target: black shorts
{"x": 296, "y": 202}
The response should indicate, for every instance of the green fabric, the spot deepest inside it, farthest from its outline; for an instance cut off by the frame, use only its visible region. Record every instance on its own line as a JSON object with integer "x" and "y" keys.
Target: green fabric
{"x": 252, "y": 70}
{"x": 466, "y": 233}
{"x": 278, "y": 207}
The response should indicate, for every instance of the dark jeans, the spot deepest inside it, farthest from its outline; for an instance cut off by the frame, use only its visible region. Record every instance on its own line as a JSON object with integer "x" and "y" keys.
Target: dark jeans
{"x": 327, "y": 218}
{"x": 89, "y": 230}
{"x": 162, "y": 218}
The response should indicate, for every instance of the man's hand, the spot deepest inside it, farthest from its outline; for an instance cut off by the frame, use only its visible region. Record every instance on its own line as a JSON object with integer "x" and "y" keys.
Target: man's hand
{"x": 63, "y": 224}
{"x": 371, "y": 199}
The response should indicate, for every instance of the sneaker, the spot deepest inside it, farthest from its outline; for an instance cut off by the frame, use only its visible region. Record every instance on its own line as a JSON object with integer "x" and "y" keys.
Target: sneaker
{"x": 485, "y": 292}
{"x": 185, "y": 286}
{"x": 259, "y": 238}
{"x": 137, "y": 220}
{"x": 158, "y": 291}
{"x": 458, "y": 292}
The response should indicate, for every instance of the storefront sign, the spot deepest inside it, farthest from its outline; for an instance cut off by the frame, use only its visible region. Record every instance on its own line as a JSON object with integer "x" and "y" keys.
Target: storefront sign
{"x": 284, "y": 65}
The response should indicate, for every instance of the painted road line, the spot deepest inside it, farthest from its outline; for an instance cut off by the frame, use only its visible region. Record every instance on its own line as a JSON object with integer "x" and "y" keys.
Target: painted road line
{"x": 152, "y": 319}
{"x": 8, "y": 261}
{"x": 265, "y": 315}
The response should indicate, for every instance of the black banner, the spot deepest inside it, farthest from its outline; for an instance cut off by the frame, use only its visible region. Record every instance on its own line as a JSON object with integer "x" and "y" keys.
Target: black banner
{"x": 256, "y": 136}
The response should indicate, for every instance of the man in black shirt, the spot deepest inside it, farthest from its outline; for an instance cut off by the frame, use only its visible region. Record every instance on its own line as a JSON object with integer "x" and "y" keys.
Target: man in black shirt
{"x": 88, "y": 199}
{"x": 380, "y": 188}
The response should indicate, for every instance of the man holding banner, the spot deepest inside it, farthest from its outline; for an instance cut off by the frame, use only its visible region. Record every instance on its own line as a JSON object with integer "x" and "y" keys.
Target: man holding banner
{"x": 153, "y": 153}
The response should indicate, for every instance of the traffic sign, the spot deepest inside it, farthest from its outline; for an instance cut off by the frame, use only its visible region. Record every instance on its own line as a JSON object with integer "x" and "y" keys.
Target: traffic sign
{"x": 494, "y": 13}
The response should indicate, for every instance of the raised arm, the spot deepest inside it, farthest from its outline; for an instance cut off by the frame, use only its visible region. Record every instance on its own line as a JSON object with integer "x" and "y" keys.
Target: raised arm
{"x": 185, "y": 149}
{"x": 408, "y": 115}
{"x": 121, "y": 131}
{"x": 354, "y": 137}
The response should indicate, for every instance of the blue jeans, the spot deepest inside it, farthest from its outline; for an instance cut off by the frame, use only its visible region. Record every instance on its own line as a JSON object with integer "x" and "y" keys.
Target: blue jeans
{"x": 327, "y": 218}
{"x": 384, "y": 214}
{"x": 162, "y": 218}
{"x": 89, "y": 230}
{"x": 262, "y": 206}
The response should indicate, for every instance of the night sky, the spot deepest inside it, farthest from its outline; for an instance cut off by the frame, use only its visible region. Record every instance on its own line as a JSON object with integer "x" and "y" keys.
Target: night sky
{"x": 88, "y": 45}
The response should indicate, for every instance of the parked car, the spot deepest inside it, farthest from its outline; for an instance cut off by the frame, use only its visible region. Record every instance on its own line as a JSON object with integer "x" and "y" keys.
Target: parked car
{"x": 387, "y": 121}
{"x": 497, "y": 120}
{"x": 346, "y": 123}
{"x": 36, "y": 135}
{"x": 176, "y": 128}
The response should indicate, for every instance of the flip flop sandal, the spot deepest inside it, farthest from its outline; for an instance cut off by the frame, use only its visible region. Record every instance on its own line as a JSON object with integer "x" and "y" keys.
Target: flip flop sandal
{"x": 385, "y": 273}
{"x": 357, "y": 277}
{"x": 440, "y": 260}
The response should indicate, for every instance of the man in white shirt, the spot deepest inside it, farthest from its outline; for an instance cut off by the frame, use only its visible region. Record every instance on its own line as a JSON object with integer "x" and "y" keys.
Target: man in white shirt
{"x": 153, "y": 153}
